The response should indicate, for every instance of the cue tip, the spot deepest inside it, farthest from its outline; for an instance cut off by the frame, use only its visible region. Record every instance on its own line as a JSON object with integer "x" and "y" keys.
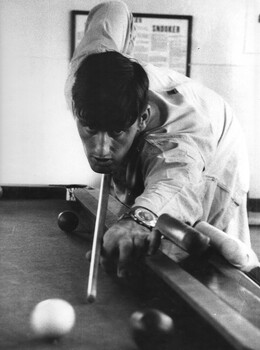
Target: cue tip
{"x": 91, "y": 298}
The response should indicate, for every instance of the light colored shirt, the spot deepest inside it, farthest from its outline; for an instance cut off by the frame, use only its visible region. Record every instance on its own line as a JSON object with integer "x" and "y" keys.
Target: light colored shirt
{"x": 195, "y": 164}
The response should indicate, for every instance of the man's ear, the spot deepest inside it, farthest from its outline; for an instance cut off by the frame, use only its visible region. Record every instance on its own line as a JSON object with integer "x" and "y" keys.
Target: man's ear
{"x": 144, "y": 119}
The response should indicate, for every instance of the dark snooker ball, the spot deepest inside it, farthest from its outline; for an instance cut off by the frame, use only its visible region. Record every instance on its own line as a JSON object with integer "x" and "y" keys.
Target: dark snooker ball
{"x": 152, "y": 329}
{"x": 68, "y": 221}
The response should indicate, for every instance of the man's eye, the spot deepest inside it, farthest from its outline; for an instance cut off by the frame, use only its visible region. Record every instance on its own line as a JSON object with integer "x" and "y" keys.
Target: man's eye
{"x": 115, "y": 133}
{"x": 90, "y": 129}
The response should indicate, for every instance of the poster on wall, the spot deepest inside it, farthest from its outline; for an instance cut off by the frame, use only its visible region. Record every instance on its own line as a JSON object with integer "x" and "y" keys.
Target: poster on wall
{"x": 163, "y": 40}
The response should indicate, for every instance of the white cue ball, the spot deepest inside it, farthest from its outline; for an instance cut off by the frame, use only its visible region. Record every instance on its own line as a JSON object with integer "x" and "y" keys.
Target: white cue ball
{"x": 52, "y": 318}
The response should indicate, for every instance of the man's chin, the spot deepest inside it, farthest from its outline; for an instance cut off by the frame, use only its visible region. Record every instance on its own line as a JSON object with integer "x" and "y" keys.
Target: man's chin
{"x": 101, "y": 169}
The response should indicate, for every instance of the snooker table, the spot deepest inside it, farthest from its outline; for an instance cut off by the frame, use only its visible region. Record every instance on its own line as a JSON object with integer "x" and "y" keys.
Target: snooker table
{"x": 205, "y": 296}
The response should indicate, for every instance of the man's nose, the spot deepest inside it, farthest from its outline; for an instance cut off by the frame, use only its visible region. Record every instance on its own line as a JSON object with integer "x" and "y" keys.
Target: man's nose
{"x": 103, "y": 144}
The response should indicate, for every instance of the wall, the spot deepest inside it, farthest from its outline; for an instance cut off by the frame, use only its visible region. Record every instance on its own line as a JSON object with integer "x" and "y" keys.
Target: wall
{"x": 38, "y": 139}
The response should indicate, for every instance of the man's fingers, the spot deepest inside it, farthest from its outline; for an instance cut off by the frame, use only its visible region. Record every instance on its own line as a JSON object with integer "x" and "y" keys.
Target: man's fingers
{"x": 125, "y": 244}
{"x": 126, "y": 248}
{"x": 141, "y": 245}
{"x": 109, "y": 265}
{"x": 154, "y": 241}
{"x": 108, "y": 259}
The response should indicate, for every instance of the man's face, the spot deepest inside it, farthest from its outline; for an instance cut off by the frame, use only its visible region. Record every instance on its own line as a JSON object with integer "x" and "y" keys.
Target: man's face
{"x": 105, "y": 150}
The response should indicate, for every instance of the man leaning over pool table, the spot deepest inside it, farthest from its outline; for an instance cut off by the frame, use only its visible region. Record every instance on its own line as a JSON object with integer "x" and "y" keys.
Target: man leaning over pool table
{"x": 171, "y": 145}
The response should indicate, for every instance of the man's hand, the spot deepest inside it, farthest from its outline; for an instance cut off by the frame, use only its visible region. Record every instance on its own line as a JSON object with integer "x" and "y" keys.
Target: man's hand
{"x": 125, "y": 243}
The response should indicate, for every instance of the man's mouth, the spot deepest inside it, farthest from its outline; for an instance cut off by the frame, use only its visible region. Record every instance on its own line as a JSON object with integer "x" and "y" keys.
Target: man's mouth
{"x": 102, "y": 161}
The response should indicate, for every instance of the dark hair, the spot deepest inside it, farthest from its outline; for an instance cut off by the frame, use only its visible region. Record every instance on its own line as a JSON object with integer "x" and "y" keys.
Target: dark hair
{"x": 110, "y": 91}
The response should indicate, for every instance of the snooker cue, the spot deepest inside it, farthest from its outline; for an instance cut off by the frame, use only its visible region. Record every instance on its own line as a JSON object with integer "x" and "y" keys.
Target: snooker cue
{"x": 231, "y": 248}
{"x": 97, "y": 237}
{"x": 183, "y": 235}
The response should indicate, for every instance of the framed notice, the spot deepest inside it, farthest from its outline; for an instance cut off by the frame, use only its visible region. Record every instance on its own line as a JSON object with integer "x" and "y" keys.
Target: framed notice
{"x": 163, "y": 40}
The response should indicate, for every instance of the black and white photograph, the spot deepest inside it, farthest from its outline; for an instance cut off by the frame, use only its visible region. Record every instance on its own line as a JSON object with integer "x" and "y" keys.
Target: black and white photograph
{"x": 129, "y": 174}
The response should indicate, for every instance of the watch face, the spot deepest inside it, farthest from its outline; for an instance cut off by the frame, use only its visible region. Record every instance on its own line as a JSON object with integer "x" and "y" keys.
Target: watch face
{"x": 145, "y": 216}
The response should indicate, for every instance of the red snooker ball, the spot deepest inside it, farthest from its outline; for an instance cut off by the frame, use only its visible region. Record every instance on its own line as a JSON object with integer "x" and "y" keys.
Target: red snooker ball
{"x": 152, "y": 329}
{"x": 68, "y": 221}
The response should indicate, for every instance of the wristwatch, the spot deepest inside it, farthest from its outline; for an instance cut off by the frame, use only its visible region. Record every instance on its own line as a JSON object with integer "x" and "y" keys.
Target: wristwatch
{"x": 142, "y": 216}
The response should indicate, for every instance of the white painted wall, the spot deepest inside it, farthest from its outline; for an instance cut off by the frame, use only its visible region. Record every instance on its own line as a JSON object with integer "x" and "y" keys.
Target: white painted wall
{"x": 38, "y": 139}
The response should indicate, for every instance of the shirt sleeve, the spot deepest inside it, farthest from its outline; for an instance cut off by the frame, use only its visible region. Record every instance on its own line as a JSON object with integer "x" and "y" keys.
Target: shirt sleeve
{"x": 163, "y": 79}
{"x": 172, "y": 170}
